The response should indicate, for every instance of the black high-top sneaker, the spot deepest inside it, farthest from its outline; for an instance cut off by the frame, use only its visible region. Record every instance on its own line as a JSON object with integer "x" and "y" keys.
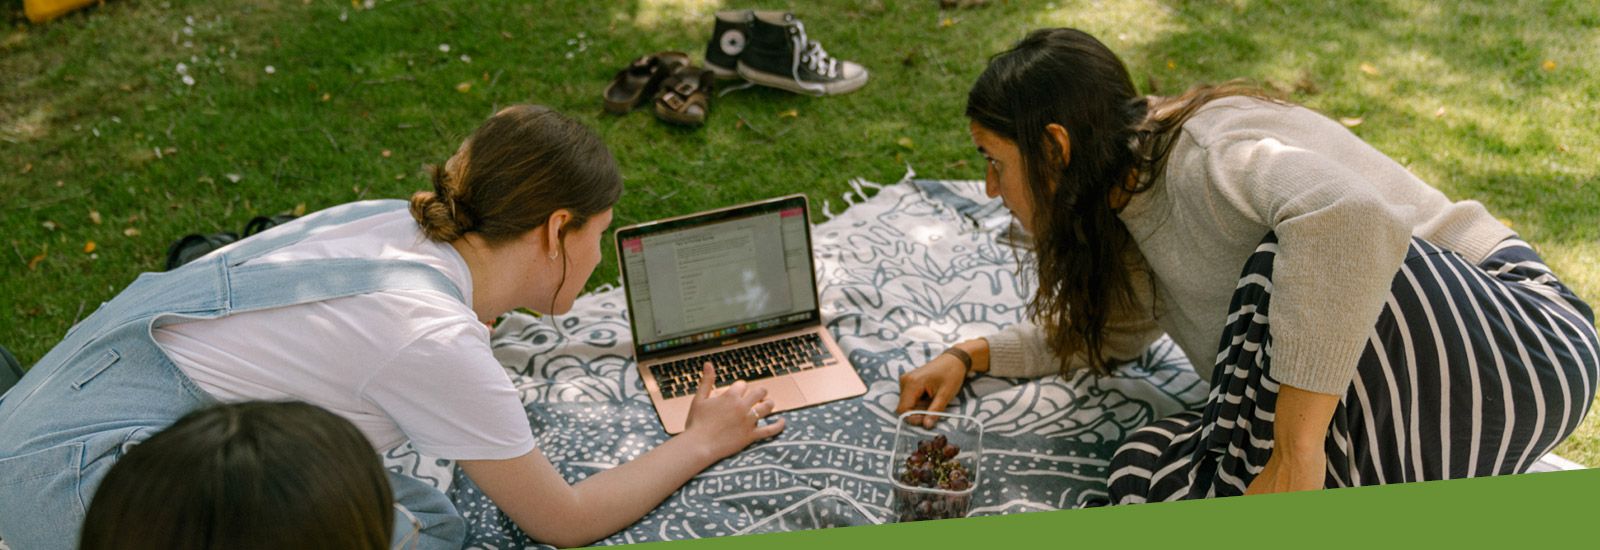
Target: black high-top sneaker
{"x": 728, "y": 40}
{"x": 778, "y": 54}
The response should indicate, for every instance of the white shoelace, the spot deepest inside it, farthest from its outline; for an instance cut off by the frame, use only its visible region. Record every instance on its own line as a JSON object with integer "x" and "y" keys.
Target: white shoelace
{"x": 819, "y": 61}
{"x": 814, "y": 58}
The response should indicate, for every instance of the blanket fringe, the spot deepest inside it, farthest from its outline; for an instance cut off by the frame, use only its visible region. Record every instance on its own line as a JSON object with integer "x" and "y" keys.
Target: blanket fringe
{"x": 858, "y": 192}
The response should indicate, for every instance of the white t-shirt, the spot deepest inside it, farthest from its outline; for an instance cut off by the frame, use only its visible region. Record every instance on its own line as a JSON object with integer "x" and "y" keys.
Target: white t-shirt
{"x": 399, "y": 364}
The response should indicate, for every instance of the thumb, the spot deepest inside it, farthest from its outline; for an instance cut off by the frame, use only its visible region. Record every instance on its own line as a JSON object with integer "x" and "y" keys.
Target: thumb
{"x": 941, "y": 399}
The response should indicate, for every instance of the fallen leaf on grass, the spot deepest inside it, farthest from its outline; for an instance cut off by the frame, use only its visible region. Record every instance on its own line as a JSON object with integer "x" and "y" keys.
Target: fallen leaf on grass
{"x": 1439, "y": 113}
{"x": 27, "y": 168}
{"x": 1505, "y": 222}
{"x": 398, "y": 177}
{"x": 947, "y": 22}
{"x": 1369, "y": 69}
{"x": 385, "y": 153}
{"x": 233, "y": 178}
{"x": 50, "y": 225}
{"x": 464, "y": 87}
{"x": 326, "y": 97}
{"x": 791, "y": 113}
{"x": 34, "y": 263}
{"x": 299, "y": 210}
{"x": 1351, "y": 122}
{"x": 1561, "y": 147}
{"x": 94, "y": 216}
{"x": 905, "y": 142}
{"x": 88, "y": 247}
{"x": 130, "y": 232}
{"x": 1548, "y": 65}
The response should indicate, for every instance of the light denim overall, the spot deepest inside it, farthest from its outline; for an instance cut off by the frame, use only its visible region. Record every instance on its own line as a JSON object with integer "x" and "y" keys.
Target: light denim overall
{"x": 108, "y": 386}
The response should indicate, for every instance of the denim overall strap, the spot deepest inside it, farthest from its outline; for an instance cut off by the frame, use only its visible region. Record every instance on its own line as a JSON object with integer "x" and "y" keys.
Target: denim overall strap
{"x": 203, "y": 289}
{"x": 333, "y": 278}
{"x": 108, "y": 385}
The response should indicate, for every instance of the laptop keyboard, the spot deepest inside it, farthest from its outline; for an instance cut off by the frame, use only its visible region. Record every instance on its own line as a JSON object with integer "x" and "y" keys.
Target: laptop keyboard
{"x": 767, "y": 359}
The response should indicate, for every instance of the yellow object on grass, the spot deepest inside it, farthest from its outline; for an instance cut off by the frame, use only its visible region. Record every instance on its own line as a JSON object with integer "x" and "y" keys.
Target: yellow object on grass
{"x": 39, "y": 11}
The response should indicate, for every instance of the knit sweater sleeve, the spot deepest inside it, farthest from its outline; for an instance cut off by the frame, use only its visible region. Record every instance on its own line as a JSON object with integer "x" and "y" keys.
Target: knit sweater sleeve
{"x": 1339, "y": 245}
{"x": 1021, "y": 350}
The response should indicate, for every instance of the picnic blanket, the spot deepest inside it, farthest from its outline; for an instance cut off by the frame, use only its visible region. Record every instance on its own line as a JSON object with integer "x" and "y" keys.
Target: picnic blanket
{"x": 905, "y": 270}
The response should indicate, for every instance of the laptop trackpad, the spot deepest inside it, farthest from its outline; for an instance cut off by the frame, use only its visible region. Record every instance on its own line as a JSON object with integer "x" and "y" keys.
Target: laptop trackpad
{"x": 784, "y": 393}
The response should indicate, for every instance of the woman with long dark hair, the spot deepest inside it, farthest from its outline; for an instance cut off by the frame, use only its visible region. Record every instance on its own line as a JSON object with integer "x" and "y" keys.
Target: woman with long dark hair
{"x": 1357, "y": 326}
{"x": 376, "y": 311}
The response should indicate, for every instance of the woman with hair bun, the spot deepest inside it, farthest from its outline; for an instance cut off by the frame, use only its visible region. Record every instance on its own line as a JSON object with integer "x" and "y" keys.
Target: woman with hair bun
{"x": 376, "y": 312}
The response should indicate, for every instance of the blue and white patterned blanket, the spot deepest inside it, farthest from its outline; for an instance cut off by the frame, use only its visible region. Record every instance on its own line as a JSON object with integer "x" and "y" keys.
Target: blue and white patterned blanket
{"x": 904, "y": 273}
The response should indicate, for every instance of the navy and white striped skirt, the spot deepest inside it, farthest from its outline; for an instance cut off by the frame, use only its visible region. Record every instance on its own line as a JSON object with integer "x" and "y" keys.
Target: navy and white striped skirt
{"x": 1471, "y": 370}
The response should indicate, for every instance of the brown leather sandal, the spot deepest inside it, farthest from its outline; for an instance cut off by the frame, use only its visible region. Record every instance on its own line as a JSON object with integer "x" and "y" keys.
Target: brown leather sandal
{"x": 638, "y": 82}
{"x": 685, "y": 96}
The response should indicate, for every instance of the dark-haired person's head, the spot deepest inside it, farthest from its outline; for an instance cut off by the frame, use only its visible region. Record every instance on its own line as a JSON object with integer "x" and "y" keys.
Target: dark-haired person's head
{"x": 1068, "y": 140}
{"x": 253, "y": 475}
{"x": 527, "y": 174}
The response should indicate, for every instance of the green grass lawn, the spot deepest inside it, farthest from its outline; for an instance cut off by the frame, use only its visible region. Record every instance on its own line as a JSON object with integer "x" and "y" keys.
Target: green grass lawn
{"x": 106, "y": 146}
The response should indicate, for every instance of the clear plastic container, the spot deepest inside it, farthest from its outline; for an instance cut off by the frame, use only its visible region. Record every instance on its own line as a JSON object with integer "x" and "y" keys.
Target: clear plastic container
{"x": 912, "y": 501}
{"x": 828, "y": 508}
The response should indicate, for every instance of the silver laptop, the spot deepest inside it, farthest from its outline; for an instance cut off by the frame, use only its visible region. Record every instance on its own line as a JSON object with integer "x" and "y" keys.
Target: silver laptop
{"x": 736, "y": 287}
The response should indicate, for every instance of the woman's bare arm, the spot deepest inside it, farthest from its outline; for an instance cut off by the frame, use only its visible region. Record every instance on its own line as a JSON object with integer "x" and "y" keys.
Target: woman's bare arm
{"x": 530, "y": 490}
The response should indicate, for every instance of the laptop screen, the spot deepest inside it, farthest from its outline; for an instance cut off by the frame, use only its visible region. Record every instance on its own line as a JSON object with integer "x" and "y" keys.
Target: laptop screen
{"x": 710, "y": 278}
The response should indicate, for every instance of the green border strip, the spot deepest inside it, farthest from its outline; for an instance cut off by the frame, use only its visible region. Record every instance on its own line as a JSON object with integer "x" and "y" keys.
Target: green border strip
{"x": 1507, "y": 511}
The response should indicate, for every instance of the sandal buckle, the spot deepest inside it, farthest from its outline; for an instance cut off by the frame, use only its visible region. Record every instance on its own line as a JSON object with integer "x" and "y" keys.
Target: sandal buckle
{"x": 685, "y": 87}
{"x": 673, "y": 101}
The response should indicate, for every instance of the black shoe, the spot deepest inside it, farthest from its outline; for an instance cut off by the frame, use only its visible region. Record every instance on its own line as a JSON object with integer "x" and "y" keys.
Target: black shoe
{"x": 778, "y": 54}
{"x": 263, "y": 223}
{"x": 10, "y": 370}
{"x": 728, "y": 40}
{"x": 194, "y": 245}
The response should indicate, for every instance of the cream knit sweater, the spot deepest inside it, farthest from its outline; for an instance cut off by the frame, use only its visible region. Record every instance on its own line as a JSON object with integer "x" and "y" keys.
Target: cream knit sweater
{"x": 1343, "y": 212}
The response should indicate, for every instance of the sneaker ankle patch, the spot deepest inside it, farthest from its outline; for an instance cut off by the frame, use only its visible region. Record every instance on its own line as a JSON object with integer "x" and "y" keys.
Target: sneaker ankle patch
{"x": 732, "y": 42}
